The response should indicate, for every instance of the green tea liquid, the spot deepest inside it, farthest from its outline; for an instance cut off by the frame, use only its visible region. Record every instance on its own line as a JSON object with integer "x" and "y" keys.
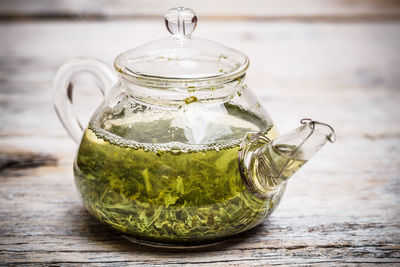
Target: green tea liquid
{"x": 167, "y": 196}
{"x": 272, "y": 167}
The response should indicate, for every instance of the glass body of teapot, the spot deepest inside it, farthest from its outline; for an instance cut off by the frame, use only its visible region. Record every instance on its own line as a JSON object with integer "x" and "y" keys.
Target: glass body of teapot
{"x": 169, "y": 173}
{"x": 179, "y": 152}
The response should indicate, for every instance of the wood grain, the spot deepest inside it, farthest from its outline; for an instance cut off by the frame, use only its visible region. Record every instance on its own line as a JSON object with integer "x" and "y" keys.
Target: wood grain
{"x": 341, "y": 208}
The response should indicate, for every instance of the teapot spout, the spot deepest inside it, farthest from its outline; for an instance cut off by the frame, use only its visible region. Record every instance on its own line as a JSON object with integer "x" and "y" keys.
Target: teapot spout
{"x": 267, "y": 165}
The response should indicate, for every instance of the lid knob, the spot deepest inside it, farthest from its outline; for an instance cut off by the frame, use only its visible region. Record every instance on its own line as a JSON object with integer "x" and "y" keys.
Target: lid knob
{"x": 180, "y": 21}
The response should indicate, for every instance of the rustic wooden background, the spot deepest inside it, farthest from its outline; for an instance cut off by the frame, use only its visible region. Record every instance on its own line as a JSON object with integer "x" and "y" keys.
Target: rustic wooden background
{"x": 332, "y": 60}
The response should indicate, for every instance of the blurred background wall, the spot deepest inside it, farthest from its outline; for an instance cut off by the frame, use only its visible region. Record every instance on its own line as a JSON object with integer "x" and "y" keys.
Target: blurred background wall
{"x": 220, "y": 9}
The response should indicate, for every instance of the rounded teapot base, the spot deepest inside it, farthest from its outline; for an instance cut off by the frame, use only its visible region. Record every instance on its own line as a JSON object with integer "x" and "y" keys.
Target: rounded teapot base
{"x": 182, "y": 246}
{"x": 172, "y": 246}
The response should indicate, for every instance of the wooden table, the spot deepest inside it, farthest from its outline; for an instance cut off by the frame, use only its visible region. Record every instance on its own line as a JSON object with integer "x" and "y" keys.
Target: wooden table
{"x": 334, "y": 61}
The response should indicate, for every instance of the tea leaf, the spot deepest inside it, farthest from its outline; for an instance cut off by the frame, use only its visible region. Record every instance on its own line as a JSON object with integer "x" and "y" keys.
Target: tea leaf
{"x": 147, "y": 183}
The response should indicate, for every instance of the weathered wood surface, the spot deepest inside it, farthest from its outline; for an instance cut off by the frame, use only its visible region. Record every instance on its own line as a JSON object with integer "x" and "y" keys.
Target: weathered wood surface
{"x": 342, "y": 208}
{"x": 251, "y": 9}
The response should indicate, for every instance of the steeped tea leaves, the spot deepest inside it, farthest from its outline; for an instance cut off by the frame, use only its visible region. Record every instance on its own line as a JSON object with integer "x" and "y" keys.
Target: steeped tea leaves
{"x": 176, "y": 195}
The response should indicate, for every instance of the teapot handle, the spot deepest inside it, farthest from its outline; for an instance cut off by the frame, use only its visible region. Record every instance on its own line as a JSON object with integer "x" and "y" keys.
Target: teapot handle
{"x": 64, "y": 84}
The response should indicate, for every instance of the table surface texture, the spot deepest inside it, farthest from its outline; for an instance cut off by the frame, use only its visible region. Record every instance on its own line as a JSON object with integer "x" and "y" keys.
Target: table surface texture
{"x": 333, "y": 61}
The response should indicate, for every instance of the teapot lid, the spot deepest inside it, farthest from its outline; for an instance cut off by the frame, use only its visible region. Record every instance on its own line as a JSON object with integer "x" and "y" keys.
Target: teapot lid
{"x": 181, "y": 57}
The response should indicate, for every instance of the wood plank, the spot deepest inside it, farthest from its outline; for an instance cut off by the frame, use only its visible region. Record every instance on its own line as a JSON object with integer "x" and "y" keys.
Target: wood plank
{"x": 259, "y": 9}
{"x": 70, "y": 235}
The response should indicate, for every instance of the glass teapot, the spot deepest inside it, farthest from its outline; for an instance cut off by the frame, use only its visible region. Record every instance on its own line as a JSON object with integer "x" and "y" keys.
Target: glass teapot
{"x": 180, "y": 152}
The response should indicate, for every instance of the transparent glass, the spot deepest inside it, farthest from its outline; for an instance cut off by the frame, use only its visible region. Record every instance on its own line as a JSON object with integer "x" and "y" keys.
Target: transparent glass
{"x": 64, "y": 84}
{"x": 166, "y": 170}
{"x": 266, "y": 165}
{"x": 179, "y": 153}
